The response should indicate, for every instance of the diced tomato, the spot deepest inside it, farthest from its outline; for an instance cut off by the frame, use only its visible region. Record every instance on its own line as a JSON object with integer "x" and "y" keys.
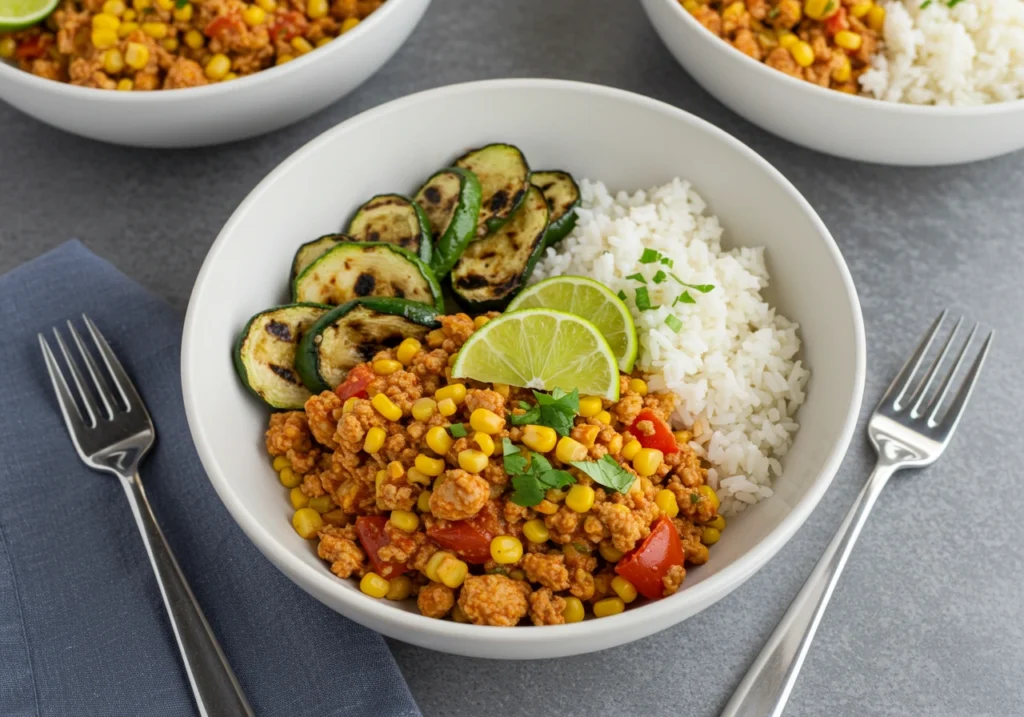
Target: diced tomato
{"x": 837, "y": 22}
{"x": 355, "y": 382}
{"x": 370, "y": 529}
{"x": 223, "y": 25}
{"x": 288, "y": 25}
{"x": 469, "y": 539}
{"x": 662, "y": 438}
{"x": 32, "y": 48}
{"x": 647, "y": 564}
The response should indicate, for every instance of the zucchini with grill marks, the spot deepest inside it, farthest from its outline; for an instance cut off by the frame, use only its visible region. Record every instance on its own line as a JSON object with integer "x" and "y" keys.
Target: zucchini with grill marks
{"x": 265, "y": 353}
{"x": 313, "y": 250}
{"x": 352, "y": 270}
{"x": 393, "y": 219}
{"x": 354, "y": 332}
{"x": 504, "y": 177}
{"x": 492, "y": 270}
{"x": 451, "y": 200}
{"x": 563, "y": 196}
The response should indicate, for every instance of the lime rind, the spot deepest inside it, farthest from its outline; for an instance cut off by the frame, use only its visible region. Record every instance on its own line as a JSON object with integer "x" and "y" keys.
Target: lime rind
{"x": 542, "y": 349}
{"x": 579, "y": 295}
{"x": 19, "y": 14}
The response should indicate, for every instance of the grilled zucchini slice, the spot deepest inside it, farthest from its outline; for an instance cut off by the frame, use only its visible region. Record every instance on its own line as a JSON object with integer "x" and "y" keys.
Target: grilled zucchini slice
{"x": 393, "y": 219}
{"x": 265, "y": 353}
{"x": 354, "y": 332}
{"x": 352, "y": 270}
{"x": 563, "y": 196}
{"x": 504, "y": 177}
{"x": 313, "y": 250}
{"x": 451, "y": 200}
{"x": 492, "y": 270}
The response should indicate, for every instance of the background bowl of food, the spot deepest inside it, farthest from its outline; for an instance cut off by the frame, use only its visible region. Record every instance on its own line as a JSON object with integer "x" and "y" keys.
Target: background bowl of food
{"x": 183, "y": 73}
{"x": 906, "y": 82}
{"x": 715, "y": 324}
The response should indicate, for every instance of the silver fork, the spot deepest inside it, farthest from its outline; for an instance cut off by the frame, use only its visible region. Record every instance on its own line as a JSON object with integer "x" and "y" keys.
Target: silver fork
{"x": 114, "y": 437}
{"x": 909, "y": 429}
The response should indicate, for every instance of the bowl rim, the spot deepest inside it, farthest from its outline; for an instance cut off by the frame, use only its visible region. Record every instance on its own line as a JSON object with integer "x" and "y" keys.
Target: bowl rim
{"x": 635, "y": 623}
{"x": 27, "y": 79}
{"x": 853, "y": 101}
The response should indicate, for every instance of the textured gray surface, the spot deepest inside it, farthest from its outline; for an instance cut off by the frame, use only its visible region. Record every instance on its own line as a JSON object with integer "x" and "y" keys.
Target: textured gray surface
{"x": 929, "y": 618}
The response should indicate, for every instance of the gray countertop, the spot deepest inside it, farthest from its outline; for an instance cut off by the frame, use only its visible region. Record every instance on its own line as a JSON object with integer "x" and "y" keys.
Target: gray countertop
{"x": 929, "y": 617}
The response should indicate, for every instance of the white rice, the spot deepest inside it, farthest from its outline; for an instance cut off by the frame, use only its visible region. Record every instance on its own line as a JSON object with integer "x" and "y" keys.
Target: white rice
{"x": 733, "y": 364}
{"x": 968, "y": 54}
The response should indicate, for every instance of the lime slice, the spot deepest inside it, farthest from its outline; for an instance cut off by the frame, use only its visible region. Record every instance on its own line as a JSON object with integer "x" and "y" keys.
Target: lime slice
{"x": 592, "y": 300}
{"x": 541, "y": 349}
{"x": 19, "y": 14}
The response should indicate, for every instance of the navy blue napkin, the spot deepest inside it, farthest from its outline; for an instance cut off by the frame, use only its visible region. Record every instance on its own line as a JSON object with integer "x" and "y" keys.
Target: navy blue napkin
{"x": 83, "y": 632}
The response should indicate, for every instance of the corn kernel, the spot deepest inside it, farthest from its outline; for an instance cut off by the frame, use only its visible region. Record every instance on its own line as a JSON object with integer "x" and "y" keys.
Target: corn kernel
{"x": 472, "y": 461}
{"x": 103, "y": 38}
{"x": 408, "y": 349}
{"x": 580, "y": 498}
{"x": 787, "y": 39}
{"x": 218, "y": 66}
{"x": 435, "y": 338}
{"x": 348, "y": 24}
{"x": 438, "y": 440}
{"x": 690, "y": 5}
{"x": 429, "y": 466}
{"x": 604, "y": 417}
{"x": 194, "y": 39}
{"x": 125, "y": 85}
{"x": 630, "y": 450}
{"x": 268, "y": 5}
{"x": 452, "y": 359}
{"x": 378, "y": 479}
{"x": 860, "y": 9}
{"x": 141, "y": 5}
{"x": 297, "y": 498}
{"x": 709, "y": 494}
{"x": 624, "y": 589}
{"x": 876, "y": 18}
{"x": 506, "y": 549}
{"x": 502, "y": 389}
{"x": 126, "y": 28}
{"x": 321, "y": 504}
{"x": 350, "y": 403}
{"x": 843, "y": 72}
{"x": 281, "y": 462}
{"x": 400, "y": 588}
{"x": 434, "y": 563}
{"x": 183, "y": 14}
{"x": 638, "y": 385}
{"x": 405, "y": 520}
{"x": 848, "y": 40}
{"x": 456, "y": 392}
{"x": 569, "y": 450}
{"x": 647, "y": 461}
{"x": 395, "y": 469}
{"x": 709, "y": 536}
{"x": 573, "y": 610}
{"x": 734, "y": 11}
{"x": 301, "y": 45}
{"x": 374, "y": 440}
{"x": 484, "y": 442}
{"x": 136, "y": 55}
{"x": 156, "y": 30}
{"x": 128, "y": 14}
{"x": 821, "y": 9}
{"x": 802, "y": 53}
{"x": 590, "y": 406}
{"x": 8, "y": 46}
{"x": 452, "y": 572}
{"x": 479, "y": 321}
{"x": 609, "y": 552}
{"x": 254, "y": 15}
{"x": 289, "y": 478}
{"x": 336, "y": 517}
{"x": 386, "y": 407}
{"x": 386, "y": 367}
{"x": 114, "y": 7}
{"x": 459, "y": 615}
{"x": 423, "y": 409}
{"x": 609, "y": 606}
{"x": 539, "y": 438}
{"x": 615, "y": 444}
{"x": 536, "y": 531}
{"x": 171, "y": 45}
{"x": 165, "y": 4}
{"x": 415, "y": 475}
{"x": 423, "y": 502}
{"x": 666, "y": 502}
{"x": 486, "y": 421}
{"x": 546, "y": 507}
{"x": 105, "y": 21}
{"x": 374, "y": 585}
{"x": 446, "y": 407}
{"x": 683, "y": 437}
{"x": 281, "y": 59}
{"x": 718, "y": 523}
{"x": 317, "y": 9}
{"x": 307, "y": 522}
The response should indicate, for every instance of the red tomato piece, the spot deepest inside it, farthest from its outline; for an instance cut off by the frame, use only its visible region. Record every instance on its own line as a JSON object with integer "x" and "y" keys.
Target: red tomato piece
{"x": 662, "y": 438}
{"x": 370, "y": 529}
{"x": 355, "y": 382}
{"x": 837, "y": 22}
{"x": 469, "y": 539}
{"x": 647, "y": 564}
{"x": 33, "y": 48}
{"x": 288, "y": 25}
{"x": 223, "y": 25}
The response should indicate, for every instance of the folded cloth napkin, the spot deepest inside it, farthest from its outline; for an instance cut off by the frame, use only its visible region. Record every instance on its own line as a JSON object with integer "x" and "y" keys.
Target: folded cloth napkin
{"x": 83, "y": 631}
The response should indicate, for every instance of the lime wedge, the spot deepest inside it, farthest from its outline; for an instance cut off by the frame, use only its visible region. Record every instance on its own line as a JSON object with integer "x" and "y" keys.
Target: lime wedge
{"x": 19, "y": 14}
{"x": 592, "y": 300}
{"x": 541, "y": 349}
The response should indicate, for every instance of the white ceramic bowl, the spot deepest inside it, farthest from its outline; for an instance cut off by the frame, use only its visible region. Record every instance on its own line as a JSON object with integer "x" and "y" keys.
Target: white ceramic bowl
{"x": 626, "y": 140}
{"x": 848, "y": 126}
{"x": 222, "y": 112}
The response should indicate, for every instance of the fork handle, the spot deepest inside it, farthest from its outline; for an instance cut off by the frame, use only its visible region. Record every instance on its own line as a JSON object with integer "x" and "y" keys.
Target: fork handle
{"x": 769, "y": 681}
{"x": 214, "y": 685}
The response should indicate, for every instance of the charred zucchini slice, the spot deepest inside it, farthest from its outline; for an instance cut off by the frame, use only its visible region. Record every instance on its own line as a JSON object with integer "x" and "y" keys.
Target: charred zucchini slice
{"x": 352, "y": 270}
{"x": 354, "y": 332}
{"x": 504, "y": 176}
{"x": 265, "y": 353}
{"x": 313, "y": 250}
{"x": 393, "y": 219}
{"x": 563, "y": 196}
{"x": 451, "y": 200}
{"x": 492, "y": 270}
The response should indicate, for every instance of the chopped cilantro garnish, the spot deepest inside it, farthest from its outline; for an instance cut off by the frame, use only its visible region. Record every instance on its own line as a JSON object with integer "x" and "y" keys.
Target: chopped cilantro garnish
{"x": 643, "y": 300}
{"x": 650, "y": 256}
{"x": 532, "y": 415}
{"x": 953, "y": 3}
{"x": 607, "y": 472}
{"x": 458, "y": 430}
{"x": 667, "y": 262}
{"x": 774, "y": 12}
{"x": 925, "y": 4}
{"x": 694, "y": 498}
{"x": 673, "y": 323}
{"x": 659, "y": 277}
{"x": 525, "y": 406}
{"x": 532, "y": 476}
{"x": 684, "y": 298}
{"x": 637, "y": 277}
{"x": 180, "y": 3}
{"x": 621, "y": 294}
{"x": 527, "y": 491}
{"x": 555, "y": 411}
{"x": 702, "y": 288}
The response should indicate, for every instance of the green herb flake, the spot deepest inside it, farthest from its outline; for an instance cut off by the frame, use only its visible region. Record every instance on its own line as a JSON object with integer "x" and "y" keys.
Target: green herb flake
{"x": 527, "y": 491}
{"x": 637, "y": 277}
{"x": 621, "y": 295}
{"x": 702, "y": 288}
{"x": 925, "y": 4}
{"x": 532, "y": 476}
{"x": 667, "y": 262}
{"x": 558, "y": 410}
{"x": 607, "y": 472}
{"x": 694, "y": 498}
{"x": 458, "y": 430}
{"x": 684, "y": 298}
{"x": 774, "y": 12}
{"x": 650, "y": 256}
{"x": 180, "y": 3}
{"x": 515, "y": 462}
{"x": 643, "y": 300}
{"x": 953, "y": 3}
{"x": 673, "y": 323}
{"x": 532, "y": 415}
{"x": 525, "y": 406}
{"x": 659, "y": 277}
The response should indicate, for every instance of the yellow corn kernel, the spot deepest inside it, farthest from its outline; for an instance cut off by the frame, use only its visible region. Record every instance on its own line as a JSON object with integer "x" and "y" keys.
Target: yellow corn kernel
{"x": 479, "y": 321}
{"x": 709, "y": 494}
{"x": 105, "y": 21}
{"x": 546, "y": 507}
{"x": 734, "y": 11}
{"x": 787, "y": 39}
{"x": 415, "y": 475}
{"x": 317, "y": 9}
{"x": 350, "y": 403}
{"x": 860, "y": 9}
{"x": 615, "y": 444}
{"x": 423, "y": 502}
{"x": 456, "y": 392}
{"x": 386, "y": 367}
{"x": 374, "y": 440}
{"x": 573, "y": 610}
{"x": 666, "y": 502}
{"x": 630, "y": 450}
{"x": 386, "y": 407}
{"x": 718, "y": 523}
{"x": 843, "y": 72}
{"x": 307, "y": 522}
{"x": 647, "y": 461}
{"x": 802, "y": 53}
{"x": 281, "y": 462}
{"x": 459, "y": 615}
{"x": 821, "y": 9}
{"x": 848, "y": 40}
{"x": 289, "y": 478}
{"x": 539, "y": 438}
{"x": 8, "y": 46}
{"x": 624, "y": 589}
{"x": 876, "y": 18}
{"x": 434, "y": 563}
{"x": 183, "y": 14}
{"x": 194, "y": 39}
{"x": 156, "y": 30}
{"x": 125, "y": 85}
{"x": 400, "y": 588}
{"x": 217, "y": 66}
{"x": 683, "y": 437}
{"x": 321, "y": 504}
{"x": 126, "y": 28}
{"x": 336, "y": 517}
{"x": 408, "y": 349}
{"x": 395, "y": 469}
{"x": 690, "y": 5}
{"x": 349, "y": 23}
{"x": 423, "y": 409}
{"x": 556, "y": 495}
{"x": 298, "y": 498}
{"x": 281, "y": 59}
{"x": 301, "y": 45}
{"x": 485, "y": 443}
{"x": 709, "y": 536}
{"x": 268, "y": 5}
{"x": 165, "y": 4}
{"x": 377, "y": 480}
{"x": 430, "y": 466}
{"x": 452, "y": 572}
{"x": 609, "y": 552}
{"x": 128, "y": 14}
{"x": 569, "y": 450}
{"x": 609, "y": 606}
{"x": 446, "y": 407}
{"x": 103, "y": 38}
{"x": 114, "y": 7}
{"x": 435, "y": 338}
{"x": 374, "y": 585}
{"x": 254, "y": 15}
{"x": 141, "y": 5}
{"x": 472, "y": 461}
{"x": 502, "y": 389}
{"x": 171, "y": 45}
{"x": 486, "y": 421}
{"x": 536, "y": 531}
{"x": 405, "y": 520}
{"x": 506, "y": 549}
{"x": 590, "y": 406}
{"x": 638, "y": 385}
{"x": 452, "y": 359}
{"x": 580, "y": 498}
{"x": 604, "y": 417}
{"x": 438, "y": 440}
{"x": 136, "y": 55}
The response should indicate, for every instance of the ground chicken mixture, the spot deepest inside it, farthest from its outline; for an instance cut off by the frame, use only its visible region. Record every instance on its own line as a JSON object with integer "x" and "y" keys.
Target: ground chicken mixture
{"x": 419, "y": 485}
{"x": 827, "y": 42}
{"x": 170, "y": 44}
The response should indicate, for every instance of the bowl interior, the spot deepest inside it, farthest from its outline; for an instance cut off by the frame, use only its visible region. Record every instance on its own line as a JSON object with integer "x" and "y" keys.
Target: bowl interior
{"x": 628, "y": 142}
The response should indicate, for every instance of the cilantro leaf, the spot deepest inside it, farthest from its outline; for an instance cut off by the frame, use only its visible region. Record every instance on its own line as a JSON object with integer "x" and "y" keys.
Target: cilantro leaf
{"x": 556, "y": 479}
{"x": 694, "y": 498}
{"x": 621, "y": 294}
{"x": 527, "y": 491}
{"x": 637, "y": 277}
{"x": 525, "y": 406}
{"x": 458, "y": 430}
{"x": 702, "y": 288}
{"x": 643, "y": 300}
{"x": 659, "y": 277}
{"x": 650, "y": 256}
{"x": 684, "y": 298}
{"x": 667, "y": 262}
{"x": 607, "y": 472}
{"x": 558, "y": 410}
{"x": 532, "y": 415}
{"x": 515, "y": 462}
{"x": 673, "y": 323}
{"x": 180, "y": 4}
